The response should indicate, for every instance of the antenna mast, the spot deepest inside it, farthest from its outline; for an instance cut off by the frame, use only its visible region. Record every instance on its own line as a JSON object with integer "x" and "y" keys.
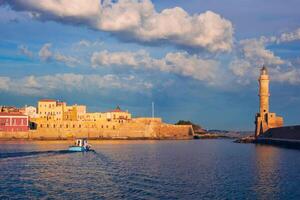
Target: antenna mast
{"x": 152, "y": 109}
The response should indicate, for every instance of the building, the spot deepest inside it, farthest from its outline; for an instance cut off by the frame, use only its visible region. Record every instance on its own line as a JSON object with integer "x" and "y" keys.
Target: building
{"x": 9, "y": 109}
{"x": 118, "y": 115}
{"x": 265, "y": 120}
{"x": 30, "y": 111}
{"x": 93, "y": 117}
{"x": 57, "y": 120}
{"x": 74, "y": 112}
{"x": 51, "y": 109}
{"x": 13, "y": 122}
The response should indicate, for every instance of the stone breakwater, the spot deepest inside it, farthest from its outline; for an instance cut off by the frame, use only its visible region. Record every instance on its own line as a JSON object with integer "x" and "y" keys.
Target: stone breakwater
{"x": 133, "y": 130}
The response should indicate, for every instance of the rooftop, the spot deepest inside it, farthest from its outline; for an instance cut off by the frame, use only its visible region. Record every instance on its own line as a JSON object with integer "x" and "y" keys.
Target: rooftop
{"x": 117, "y": 109}
{"x": 11, "y": 114}
{"x": 47, "y": 100}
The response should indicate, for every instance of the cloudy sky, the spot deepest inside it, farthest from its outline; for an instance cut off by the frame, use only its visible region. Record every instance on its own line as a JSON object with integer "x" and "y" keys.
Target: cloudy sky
{"x": 197, "y": 60}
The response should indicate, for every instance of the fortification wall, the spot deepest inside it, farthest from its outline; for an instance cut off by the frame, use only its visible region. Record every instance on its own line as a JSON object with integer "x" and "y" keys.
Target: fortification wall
{"x": 14, "y": 135}
{"x": 141, "y": 129}
{"x": 286, "y": 132}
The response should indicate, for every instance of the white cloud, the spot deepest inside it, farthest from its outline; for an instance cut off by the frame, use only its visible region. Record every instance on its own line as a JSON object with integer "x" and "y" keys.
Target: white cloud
{"x": 291, "y": 76}
{"x": 283, "y": 37}
{"x": 84, "y": 43}
{"x": 46, "y": 55}
{"x": 68, "y": 60}
{"x": 25, "y": 51}
{"x": 45, "y": 85}
{"x": 240, "y": 67}
{"x": 255, "y": 51}
{"x": 137, "y": 20}
{"x": 117, "y": 58}
{"x": 4, "y": 83}
{"x": 253, "y": 54}
{"x": 87, "y": 43}
{"x": 289, "y": 36}
{"x": 178, "y": 63}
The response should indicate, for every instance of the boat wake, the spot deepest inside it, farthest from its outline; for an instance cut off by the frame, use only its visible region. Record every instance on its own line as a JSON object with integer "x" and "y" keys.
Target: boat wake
{"x": 33, "y": 153}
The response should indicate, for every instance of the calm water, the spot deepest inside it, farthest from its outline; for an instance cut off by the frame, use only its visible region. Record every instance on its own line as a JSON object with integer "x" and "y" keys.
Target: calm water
{"x": 198, "y": 169}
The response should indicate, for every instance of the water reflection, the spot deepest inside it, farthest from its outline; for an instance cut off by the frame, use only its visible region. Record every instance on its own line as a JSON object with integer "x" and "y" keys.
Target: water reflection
{"x": 267, "y": 171}
{"x": 202, "y": 169}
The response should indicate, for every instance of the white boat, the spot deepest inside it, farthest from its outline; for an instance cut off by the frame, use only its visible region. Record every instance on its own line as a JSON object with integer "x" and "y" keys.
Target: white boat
{"x": 80, "y": 146}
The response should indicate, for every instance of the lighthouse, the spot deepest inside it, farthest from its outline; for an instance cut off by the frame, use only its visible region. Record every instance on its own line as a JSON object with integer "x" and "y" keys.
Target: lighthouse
{"x": 265, "y": 120}
{"x": 264, "y": 91}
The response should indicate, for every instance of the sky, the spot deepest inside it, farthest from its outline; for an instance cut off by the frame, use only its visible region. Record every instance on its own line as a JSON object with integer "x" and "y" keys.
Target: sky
{"x": 196, "y": 60}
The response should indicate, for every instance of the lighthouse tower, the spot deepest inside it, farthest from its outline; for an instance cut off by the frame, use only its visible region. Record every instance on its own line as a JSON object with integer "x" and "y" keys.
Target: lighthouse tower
{"x": 264, "y": 91}
{"x": 264, "y": 119}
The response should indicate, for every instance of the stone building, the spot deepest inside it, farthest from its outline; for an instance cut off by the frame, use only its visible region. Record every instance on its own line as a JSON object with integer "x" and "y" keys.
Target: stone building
{"x": 51, "y": 109}
{"x": 30, "y": 111}
{"x": 13, "y": 122}
{"x": 265, "y": 120}
{"x": 58, "y": 121}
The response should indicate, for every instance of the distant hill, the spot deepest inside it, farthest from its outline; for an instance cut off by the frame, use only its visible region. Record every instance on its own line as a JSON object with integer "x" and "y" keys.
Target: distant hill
{"x": 197, "y": 128}
{"x": 238, "y": 134}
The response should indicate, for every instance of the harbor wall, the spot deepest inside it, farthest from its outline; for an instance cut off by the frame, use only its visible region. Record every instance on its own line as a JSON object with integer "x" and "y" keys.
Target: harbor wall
{"x": 285, "y": 132}
{"x": 135, "y": 129}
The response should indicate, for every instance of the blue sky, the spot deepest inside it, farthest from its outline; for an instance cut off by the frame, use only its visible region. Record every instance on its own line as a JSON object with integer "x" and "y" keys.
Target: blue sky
{"x": 197, "y": 61}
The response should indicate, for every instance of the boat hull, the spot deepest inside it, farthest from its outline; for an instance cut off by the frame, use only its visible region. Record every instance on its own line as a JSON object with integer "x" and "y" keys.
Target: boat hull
{"x": 77, "y": 149}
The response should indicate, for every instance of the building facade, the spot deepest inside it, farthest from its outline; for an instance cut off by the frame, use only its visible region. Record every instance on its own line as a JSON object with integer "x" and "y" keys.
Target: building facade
{"x": 51, "y": 109}
{"x": 30, "y": 111}
{"x": 265, "y": 120}
{"x": 13, "y": 122}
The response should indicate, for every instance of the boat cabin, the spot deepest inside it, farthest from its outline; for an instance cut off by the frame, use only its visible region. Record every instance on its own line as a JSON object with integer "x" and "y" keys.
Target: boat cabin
{"x": 81, "y": 142}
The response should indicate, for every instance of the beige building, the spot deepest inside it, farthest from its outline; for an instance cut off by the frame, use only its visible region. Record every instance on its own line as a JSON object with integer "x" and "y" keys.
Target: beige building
{"x": 56, "y": 120}
{"x": 30, "y": 111}
{"x": 51, "y": 109}
{"x": 265, "y": 120}
{"x": 118, "y": 115}
{"x": 74, "y": 112}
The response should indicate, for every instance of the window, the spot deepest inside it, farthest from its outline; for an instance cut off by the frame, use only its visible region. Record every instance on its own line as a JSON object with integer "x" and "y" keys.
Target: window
{"x": 53, "y": 125}
{"x": 41, "y": 125}
{"x": 79, "y": 125}
{"x": 67, "y": 126}
{"x": 47, "y": 125}
{"x": 73, "y": 125}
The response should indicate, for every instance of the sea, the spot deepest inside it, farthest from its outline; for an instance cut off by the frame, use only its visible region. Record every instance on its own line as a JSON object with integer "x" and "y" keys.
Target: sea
{"x": 146, "y": 169}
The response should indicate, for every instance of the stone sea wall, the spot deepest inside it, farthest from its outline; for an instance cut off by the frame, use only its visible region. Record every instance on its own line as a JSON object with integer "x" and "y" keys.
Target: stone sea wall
{"x": 136, "y": 129}
{"x": 285, "y": 132}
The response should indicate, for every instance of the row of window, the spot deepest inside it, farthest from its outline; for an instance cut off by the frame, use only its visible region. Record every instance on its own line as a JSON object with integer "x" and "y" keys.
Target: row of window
{"x": 51, "y": 113}
{"x": 49, "y": 105}
{"x": 73, "y": 126}
{"x": 5, "y": 122}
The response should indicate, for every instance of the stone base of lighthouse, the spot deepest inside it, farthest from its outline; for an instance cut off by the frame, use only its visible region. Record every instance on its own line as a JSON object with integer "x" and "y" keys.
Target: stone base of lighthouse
{"x": 265, "y": 121}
